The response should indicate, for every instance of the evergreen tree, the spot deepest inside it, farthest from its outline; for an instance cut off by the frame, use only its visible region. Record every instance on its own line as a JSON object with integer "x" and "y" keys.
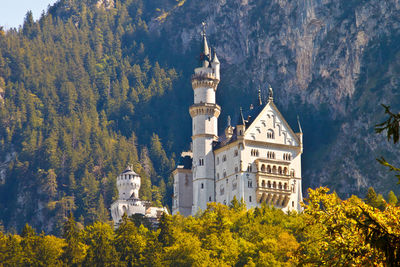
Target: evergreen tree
{"x": 75, "y": 251}
{"x": 392, "y": 199}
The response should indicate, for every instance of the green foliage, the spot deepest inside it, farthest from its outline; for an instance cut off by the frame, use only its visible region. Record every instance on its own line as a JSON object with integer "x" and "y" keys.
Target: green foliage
{"x": 220, "y": 236}
{"x": 73, "y": 82}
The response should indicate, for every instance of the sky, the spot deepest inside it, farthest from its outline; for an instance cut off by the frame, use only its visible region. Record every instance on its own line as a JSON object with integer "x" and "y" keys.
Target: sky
{"x": 12, "y": 12}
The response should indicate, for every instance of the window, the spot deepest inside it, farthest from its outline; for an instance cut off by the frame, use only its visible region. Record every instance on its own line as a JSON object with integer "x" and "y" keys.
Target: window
{"x": 221, "y": 190}
{"x": 202, "y": 186}
{"x": 236, "y": 153}
{"x": 271, "y": 155}
{"x": 223, "y": 158}
{"x": 263, "y": 183}
{"x": 269, "y": 169}
{"x": 236, "y": 169}
{"x": 293, "y": 204}
{"x": 249, "y": 168}
{"x": 224, "y": 174}
{"x": 209, "y": 198}
{"x": 249, "y": 184}
{"x": 269, "y": 184}
{"x": 287, "y": 156}
{"x": 254, "y": 152}
{"x": 201, "y": 162}
{"x": 217, "y": 160}
{"x": 270, "y": 134}
{"x": 234, "y": 185}
{"x": 263, "y": 168}
{"x": 249, "y": 198}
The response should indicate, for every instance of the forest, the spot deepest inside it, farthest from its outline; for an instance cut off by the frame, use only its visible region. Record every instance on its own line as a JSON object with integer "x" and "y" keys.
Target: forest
{"x": 78, "y": 85}
{"x": 330, "y": 232}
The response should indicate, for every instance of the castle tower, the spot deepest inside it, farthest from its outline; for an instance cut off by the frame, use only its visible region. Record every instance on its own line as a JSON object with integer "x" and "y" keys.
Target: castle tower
{"x": 204, "y": 113}
{"x": 128, "y": 184}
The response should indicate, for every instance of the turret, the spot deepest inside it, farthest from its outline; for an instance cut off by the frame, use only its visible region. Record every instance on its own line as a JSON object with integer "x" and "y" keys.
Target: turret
{"x": 128, "y": 184}
{"x": 215, "y": 65}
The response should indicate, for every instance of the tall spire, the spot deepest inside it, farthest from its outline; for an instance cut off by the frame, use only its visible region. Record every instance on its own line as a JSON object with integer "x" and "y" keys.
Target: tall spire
{"x": 241, "y": 116}
{"x": 205, "y": 53}
{"x": 298, "y": 121}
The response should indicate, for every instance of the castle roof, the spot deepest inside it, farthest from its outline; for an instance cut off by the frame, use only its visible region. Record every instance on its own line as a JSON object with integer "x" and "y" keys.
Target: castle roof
{"x": 185, "y": 162}
{"x": 129, "y": 170}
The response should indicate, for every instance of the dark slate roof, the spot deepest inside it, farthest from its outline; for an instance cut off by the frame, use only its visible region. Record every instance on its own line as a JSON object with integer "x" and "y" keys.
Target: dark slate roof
{"x": 186, "y": 162}
{"x": 129, "y": 171}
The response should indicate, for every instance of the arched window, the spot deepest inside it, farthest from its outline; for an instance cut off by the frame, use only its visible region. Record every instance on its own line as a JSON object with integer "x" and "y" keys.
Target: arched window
{"x": 285, "y": 171}
{"x": 202, "y": 186}
{"x": 269, "y": 184}
{"x": 269, "y": 169}
{"x": 263, "y": 183}
{"x": 280, "y": 170}
{"x": 274, "y": 169}
{"x": 249, "y": 168}
{"x": 263, "y": 168}
{"x": 270, "y": 134}
{"x": 280, "y": 185}
{"x": 274, "y": 185}
{"x": 285, "y": 186}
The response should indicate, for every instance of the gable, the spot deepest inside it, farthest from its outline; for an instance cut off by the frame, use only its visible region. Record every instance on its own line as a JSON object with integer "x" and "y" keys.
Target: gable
{"x": 270, "y": 126}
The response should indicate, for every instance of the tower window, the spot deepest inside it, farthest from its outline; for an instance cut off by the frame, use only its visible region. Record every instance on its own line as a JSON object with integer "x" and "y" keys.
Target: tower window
{"x": 249, "y": 198}
{"x": 224, "y": 158}
{"x": 201, "y": 162}
{"x": 249, "y": 184}
{"x": 202, "y": 186}
{"x": 209, "y": 198}
{"x": 236, "y": 153}
{"x": 217, "y": 160}
{"x": 293, "y": 204}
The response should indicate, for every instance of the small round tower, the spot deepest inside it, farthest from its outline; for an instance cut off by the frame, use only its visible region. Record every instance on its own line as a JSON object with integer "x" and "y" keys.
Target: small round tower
{"x": 128, "y": 184}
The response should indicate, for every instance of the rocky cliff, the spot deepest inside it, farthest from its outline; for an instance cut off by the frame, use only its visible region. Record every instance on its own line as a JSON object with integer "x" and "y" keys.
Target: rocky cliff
{"x": 331, "y": 62}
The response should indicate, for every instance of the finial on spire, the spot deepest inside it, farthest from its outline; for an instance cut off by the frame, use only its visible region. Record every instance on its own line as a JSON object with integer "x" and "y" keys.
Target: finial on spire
{"x": 259, "y": 96}
{"x": 203, "y": 32}
{"x": 271, "y": 93}
{"x": 229, "y": 121}
{"x": 298, "y": 121}
{"x": 205, "y": 53}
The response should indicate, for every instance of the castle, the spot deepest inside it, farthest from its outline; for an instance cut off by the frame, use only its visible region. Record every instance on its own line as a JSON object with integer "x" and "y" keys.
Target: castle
{"x": 257, "y": 160}
{"x": 128, "y": 202}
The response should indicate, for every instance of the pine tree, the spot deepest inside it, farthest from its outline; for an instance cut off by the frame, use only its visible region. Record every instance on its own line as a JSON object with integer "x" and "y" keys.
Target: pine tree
{"x": 75, "y": 251}
{"x": 392, "y": 199}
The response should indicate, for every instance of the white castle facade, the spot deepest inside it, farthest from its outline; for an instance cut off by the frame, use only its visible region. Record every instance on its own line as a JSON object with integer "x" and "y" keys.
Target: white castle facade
{"x": 258, "y": 159}
{"x": 128, "y": 202}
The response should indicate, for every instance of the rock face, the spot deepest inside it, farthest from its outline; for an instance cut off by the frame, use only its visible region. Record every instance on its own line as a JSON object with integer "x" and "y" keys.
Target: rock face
{"x": 323, "y": 58}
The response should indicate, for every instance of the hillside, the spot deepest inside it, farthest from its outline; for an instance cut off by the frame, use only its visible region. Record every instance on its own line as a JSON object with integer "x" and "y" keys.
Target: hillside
{"x": 94, "y": 85}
